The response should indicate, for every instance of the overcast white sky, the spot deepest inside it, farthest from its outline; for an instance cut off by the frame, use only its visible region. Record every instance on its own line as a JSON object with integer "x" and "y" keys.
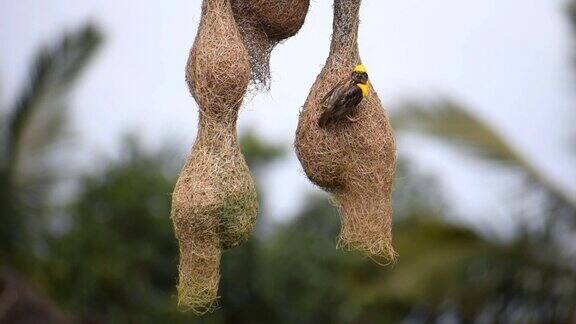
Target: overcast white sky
{"x": 508, "y": 60}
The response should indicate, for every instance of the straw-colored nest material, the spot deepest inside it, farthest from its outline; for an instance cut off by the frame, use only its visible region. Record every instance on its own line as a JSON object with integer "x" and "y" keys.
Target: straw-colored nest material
{"x": 280, "y": 19}
{"x": 214, "y": 204}
{"x": 263, "y": 24}
{"x": 355, "y": 161}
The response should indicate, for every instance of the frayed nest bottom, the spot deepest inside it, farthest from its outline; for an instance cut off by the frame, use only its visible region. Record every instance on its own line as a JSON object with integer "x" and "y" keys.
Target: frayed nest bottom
{"x": 366, "y": 226}
{"x": 214, "y": 207}
{"x": 198, "y": 282}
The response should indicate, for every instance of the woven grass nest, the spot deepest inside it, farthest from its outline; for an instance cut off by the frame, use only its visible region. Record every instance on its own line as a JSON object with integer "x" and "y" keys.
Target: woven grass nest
{"x": 214, "y": 204}
{"x": 263, "y": 24}
{"x": 354, "y": 161}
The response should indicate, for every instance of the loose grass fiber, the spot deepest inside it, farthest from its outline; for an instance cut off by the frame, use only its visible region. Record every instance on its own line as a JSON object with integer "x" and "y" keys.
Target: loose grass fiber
{"x": 214, "y": 204}
{"x": 354, "y": 161}
{"x": 263, "y": 24}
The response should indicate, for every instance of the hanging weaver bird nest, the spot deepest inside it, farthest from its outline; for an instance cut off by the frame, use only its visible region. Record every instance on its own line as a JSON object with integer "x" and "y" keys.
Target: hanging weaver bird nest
{"x": 353, "y": 160}
{"x": 263, "y": 24}
{"x": 214, "y": 204}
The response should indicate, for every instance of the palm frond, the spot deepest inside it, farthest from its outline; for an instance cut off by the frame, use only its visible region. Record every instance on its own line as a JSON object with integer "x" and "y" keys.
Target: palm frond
{"x": 453, "y": 124}
{"x": 55, "y": 70}
{"x": 30, "y": 132}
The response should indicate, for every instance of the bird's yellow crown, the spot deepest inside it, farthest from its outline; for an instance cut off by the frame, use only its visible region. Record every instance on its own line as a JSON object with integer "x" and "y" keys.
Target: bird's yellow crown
{"x": 360, "y": 68}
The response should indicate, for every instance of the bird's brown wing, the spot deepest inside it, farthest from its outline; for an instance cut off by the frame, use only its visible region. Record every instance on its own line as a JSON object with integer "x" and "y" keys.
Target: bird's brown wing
{"x": 330, "y": 101}
{"x": 334, "y": 89}
{"x": 349, "y": 101}
{"x": 341, "y": 104}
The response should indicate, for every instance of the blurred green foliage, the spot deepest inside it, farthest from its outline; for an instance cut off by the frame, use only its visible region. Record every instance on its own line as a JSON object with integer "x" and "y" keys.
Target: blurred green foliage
{"x": 113, "y": 256}
{"x": 116, "y": 260}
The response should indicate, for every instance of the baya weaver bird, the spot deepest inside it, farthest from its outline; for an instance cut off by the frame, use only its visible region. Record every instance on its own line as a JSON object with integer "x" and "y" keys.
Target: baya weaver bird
{"x": 344, "y": 98}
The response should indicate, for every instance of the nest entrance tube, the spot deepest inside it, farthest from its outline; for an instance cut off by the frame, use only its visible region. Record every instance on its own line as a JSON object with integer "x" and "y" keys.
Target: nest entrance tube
{"x": 214, "y": 204}
{"x": 354, "y": 161}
